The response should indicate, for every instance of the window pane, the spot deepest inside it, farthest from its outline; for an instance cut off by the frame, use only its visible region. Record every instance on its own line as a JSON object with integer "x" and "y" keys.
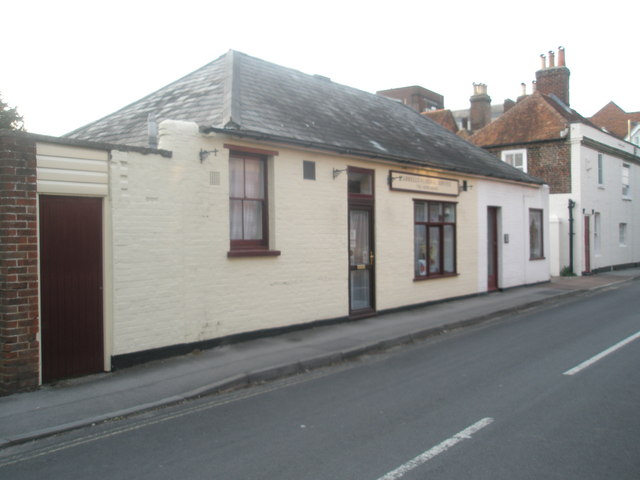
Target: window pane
{"x": 625, "y": 180}
{"x": 359, "y": 286}
{"x": 360, "y": 182}
{"x": 623, "y": 234}
{"x": 435, "y": 212}
{"x": 236, "y": 177}
{"x": 252, "y": 220}
{"x": 535, "y": 233}
{"x": 254, "y": 178}
{"x": 420, "y": 211}
{"x": 308, "y": 170}
{"x": 359, "y": 237}
{"x": 517, "y": 162}
{"x": 449, "y": 249}
{"x": 235, "y": 219}
{"x": 434, "y": 249}
{"x": 449, "y": 213}
{"x": 420, "y": 251}
{"x": 600, "y": 169}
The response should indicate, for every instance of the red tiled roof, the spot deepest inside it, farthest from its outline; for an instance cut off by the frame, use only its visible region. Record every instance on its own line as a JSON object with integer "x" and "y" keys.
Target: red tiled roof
{"x": 536, "y": 117}
{"x": 615, "y": 120}
{"x": 444, "y": 118}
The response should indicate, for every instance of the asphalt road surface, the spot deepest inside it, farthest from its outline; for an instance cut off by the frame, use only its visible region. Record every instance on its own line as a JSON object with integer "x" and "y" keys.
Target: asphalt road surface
{"x": 552, "y": 394}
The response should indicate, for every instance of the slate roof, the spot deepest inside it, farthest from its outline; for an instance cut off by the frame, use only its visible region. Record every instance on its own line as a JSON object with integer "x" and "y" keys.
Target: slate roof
{"x": 537, "y": 117}
{"x": 249, "y": 97}
{"x": 615, "y": 120}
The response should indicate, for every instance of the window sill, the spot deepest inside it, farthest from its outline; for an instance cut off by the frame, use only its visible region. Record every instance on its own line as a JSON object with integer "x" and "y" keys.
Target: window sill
{"x": 434, "y": 277}
{"x": 533, "y": 259}
{"x": 256, "y": 252}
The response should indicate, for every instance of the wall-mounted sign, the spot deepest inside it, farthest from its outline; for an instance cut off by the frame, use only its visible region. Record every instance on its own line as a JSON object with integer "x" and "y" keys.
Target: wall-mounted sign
{"x": 412, "y": 182}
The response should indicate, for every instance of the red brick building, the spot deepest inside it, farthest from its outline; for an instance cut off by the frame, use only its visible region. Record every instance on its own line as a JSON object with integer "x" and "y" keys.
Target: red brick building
{"x": 19, "y": 346}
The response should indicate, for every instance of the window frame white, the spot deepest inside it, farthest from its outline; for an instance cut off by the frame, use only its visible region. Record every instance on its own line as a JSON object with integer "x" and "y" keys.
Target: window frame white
{"x": 626, "y": 181}
{"x": 505, "y": 154}
{"x": 622, "y": 233}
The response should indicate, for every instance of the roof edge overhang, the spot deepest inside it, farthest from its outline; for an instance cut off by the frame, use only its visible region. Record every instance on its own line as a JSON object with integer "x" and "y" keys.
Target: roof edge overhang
{"x": 520, "y": 144}
{"x": 261, "y": 136}
{"x": 615, "y": 152}
{"x": 74, "y": 142}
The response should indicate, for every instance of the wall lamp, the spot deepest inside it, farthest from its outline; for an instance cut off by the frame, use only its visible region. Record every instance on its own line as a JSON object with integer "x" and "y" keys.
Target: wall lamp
{"x": 205, "y": 153}
{"x": 337, "y": 172}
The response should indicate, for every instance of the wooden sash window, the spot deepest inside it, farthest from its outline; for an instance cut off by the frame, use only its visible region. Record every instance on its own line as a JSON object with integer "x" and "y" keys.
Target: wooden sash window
{"x": 247, "y": 201}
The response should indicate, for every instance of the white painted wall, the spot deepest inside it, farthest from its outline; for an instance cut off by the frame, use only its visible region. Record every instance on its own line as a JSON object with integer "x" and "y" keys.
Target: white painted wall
{"x": 514, "y": 201}
{"x": 606, "y": 199}
{"x": 173, "y": 281}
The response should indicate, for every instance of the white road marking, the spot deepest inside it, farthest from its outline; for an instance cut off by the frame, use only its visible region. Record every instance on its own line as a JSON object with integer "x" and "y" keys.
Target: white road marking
{"x": 601, "y": 355}
{"x": 437, "y": 450}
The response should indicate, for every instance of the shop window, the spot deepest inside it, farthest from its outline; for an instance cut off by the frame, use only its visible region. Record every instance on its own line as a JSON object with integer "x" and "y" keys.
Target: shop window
{"x": 434, "y": 239}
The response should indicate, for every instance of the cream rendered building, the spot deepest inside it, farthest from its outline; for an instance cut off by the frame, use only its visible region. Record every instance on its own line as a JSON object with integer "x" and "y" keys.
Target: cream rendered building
{"x": 247, "y": 198}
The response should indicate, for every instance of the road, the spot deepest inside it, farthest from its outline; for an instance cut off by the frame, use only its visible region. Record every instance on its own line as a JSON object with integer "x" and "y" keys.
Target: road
{"x": 551, "y": 394}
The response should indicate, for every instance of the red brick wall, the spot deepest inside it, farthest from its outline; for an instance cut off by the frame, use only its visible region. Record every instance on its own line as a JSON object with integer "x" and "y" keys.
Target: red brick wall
{"x": 554, "y": 80}
{"x": 549, "y": 161}
{"x": 19, "y": 348}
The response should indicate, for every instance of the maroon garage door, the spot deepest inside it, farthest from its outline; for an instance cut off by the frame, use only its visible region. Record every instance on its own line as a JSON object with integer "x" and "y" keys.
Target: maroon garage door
{"x": 71, "y": 286}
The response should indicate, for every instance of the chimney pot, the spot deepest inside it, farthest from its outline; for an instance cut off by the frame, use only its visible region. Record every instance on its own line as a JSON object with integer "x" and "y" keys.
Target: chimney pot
{"x": 544, "y": 62}
{"x": 524, "y": 88}
{"x": 554, "y": 81}
{"x": 561, "y": 62}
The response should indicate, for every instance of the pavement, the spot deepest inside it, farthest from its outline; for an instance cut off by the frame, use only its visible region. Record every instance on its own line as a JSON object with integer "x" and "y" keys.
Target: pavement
{"x": 76, "y": 403}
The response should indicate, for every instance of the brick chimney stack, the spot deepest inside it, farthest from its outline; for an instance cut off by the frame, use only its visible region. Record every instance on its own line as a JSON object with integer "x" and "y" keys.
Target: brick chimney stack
{"x": 480, "y": 112}
{"x": 554, "y": 79}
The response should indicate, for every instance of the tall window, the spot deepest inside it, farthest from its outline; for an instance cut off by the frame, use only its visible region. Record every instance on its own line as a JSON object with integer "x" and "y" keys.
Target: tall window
{"x": 434, "y": 239}
{"x": 626, "y": 186}
{"x": 516, "y": 158}
{"x": 600, "y": 169}
{"x": 535, "y": 234}
{"x": 623, "y": 234}
{"x": 248, "y": 200}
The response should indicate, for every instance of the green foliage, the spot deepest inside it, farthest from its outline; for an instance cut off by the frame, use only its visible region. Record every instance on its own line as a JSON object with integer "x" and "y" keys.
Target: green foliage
{"x": 9, "y": 117}
{"x": 567, "y": 272}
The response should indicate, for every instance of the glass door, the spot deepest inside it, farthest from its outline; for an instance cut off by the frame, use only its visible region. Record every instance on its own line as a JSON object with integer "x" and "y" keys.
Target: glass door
{"x": 361, "y": 242}
{"x": 361, "y": 260}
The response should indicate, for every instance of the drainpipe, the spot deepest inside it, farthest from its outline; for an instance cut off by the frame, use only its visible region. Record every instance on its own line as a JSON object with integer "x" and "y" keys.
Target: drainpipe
{"x": 572, "y": 205}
